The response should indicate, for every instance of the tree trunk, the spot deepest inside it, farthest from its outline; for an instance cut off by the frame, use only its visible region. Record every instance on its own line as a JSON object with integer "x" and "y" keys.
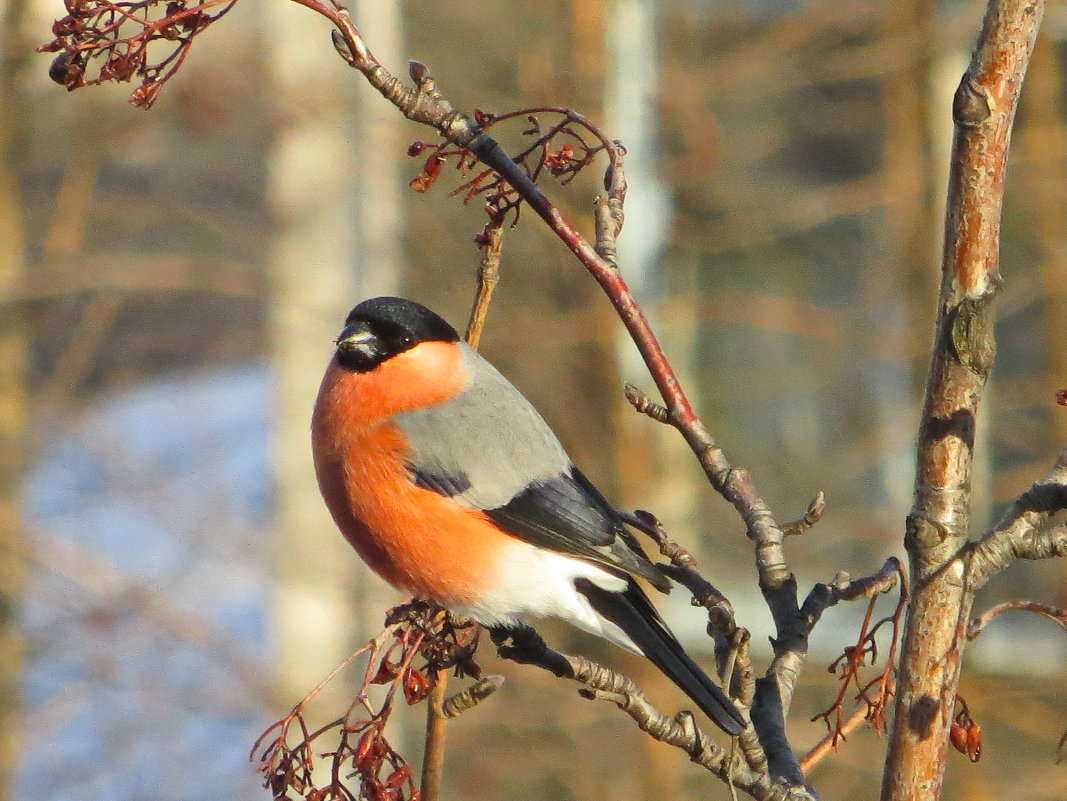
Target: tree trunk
{"x": 938, "y": 525}
{"x": 1044, "y": 141}
{"x": 335, "y": 199}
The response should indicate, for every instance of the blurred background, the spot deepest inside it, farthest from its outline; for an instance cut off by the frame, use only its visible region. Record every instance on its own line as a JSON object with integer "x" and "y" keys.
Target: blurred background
{"x": 172, "y": 280}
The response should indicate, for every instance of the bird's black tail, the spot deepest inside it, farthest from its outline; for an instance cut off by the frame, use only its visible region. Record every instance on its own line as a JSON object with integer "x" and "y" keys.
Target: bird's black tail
{"x": 632, "y": 612}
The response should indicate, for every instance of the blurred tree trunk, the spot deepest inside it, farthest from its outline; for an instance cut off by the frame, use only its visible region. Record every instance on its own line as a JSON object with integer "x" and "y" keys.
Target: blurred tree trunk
{"x": 1043, "y": 138}
{"x": 650, "y": 455}
{"x": 651, "y": 458}
{"x": 910, "y": 251}
{"x": 587, "y": 21}
{"x": 1046, "y": 179}
{"x": 13, "y": 366}
{"x": 378, "y": 257}
{"x": 336, "y": 223}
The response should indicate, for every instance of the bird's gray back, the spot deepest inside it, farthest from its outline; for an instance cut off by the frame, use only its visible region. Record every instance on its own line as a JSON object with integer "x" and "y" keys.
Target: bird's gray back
{"x": 486, "y": 444}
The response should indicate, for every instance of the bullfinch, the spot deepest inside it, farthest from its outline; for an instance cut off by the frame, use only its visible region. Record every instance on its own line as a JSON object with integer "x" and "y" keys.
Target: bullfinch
{"x": 451, "y": 486}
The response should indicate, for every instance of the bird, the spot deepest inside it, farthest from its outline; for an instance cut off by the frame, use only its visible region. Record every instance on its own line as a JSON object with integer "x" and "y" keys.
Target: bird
{"x": 452, "y": 487}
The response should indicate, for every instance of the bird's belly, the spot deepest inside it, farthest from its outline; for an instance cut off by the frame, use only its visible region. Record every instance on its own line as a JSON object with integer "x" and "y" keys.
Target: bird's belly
{"x": 435, "y": 548}
{"x": 414, "y": 538}
{"x": 439, "y": 554}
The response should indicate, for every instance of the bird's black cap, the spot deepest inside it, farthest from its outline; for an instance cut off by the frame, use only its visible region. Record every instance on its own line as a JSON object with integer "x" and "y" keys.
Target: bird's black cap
{"x": 380, "y": 328}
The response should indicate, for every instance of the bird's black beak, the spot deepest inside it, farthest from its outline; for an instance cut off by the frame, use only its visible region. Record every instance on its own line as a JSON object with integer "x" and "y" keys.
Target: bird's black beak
{"x": 357, "y": 338}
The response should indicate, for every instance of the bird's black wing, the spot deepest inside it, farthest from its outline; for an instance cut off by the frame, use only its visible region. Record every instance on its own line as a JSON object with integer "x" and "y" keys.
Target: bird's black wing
{"x": 567, "y": 514}
{"x": 448, "y": 484}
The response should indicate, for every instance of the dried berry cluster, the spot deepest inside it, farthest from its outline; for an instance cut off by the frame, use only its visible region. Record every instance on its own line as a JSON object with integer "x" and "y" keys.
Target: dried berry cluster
{"x": 362, "y": 764}
{"x": 965, "y": 734}
{"x": 546, "y": 153}
{"x": 99, "y": 41}
{"x": 875, "y": 693}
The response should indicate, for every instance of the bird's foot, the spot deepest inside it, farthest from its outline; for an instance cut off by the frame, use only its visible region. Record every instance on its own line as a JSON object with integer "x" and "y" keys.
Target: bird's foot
{"x": 524, "y": 640}
{"x": 529, "y": 648}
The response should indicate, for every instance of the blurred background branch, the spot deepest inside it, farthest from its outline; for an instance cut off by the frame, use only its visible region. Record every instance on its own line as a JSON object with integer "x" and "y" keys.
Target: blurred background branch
{"x": 14, "y": 376}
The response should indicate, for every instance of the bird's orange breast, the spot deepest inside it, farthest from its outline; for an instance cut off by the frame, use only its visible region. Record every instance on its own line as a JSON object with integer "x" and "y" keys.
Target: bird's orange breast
{"x": 414, "y": 538}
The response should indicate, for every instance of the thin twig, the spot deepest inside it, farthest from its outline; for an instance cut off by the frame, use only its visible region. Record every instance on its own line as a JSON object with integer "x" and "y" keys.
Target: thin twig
{"x": 876, "y": 693}
{"x": 471, "y": 696}
{"x": 812, "y": 516}
{"x": 845, "y": 588}
{"x": 433, "y": 756}
{"x": 491, "y": 241}
{"x": 1055, "y": 614}
{"x": 1020, "y": 533}
{"x": 829, "y": 742}
{"x": 649, "y": 524}
{"x": 643, "y": 404}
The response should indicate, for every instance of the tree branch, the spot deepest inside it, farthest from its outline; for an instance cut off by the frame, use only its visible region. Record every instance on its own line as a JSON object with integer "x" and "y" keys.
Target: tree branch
{"x": 1056, "y": 615}
{"x": 845, "y": 588}
{"x": 1021, "y": 533}
{"x": 491, "y": 241}
{"x": 829, "y": 743}
{"x": 433, "y": 752}
{"x": 681, "y": 731}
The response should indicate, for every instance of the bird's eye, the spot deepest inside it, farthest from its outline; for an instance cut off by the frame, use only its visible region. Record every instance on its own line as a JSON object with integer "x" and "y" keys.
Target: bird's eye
{"x": 407, "y": 340}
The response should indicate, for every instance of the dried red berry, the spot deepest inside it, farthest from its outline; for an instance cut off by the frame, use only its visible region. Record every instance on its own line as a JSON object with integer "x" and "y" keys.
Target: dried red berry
{"x": 430, "y": 170}
{"x": 416, "y": 686}
{"x": 369, "y": 752}
{"x": 974, "y": 741}
{"x": 965, "y": 734}
{"x": 67, "y": 26}
{"x": 957, "y": 735}
{"x": 398, "y": 777}
{"x": 120, "y": 67}
{"x": 59, "y": 69}
{"x": 387, "y": 671}
{"x": 145, "y": 94}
